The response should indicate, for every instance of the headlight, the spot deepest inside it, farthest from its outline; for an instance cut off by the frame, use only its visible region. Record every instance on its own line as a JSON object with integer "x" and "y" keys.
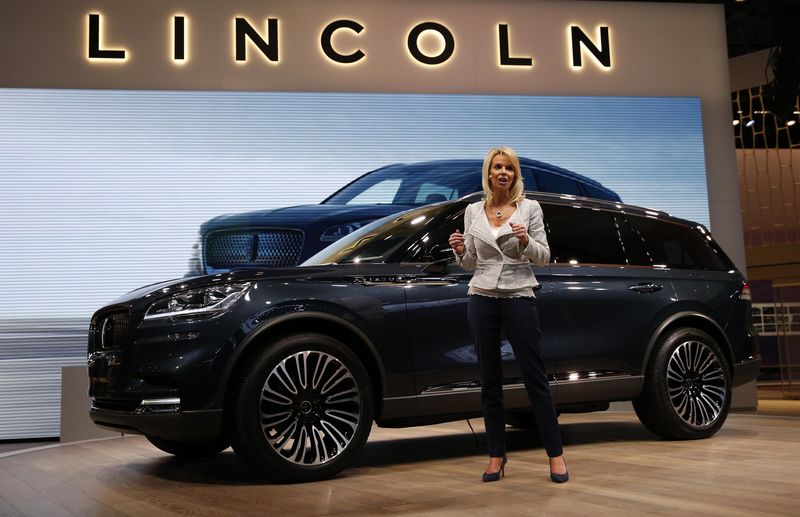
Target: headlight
{"x": 334, "y": 233}
{"x": 205, "y": 302}
{"x": 196, "y": 258}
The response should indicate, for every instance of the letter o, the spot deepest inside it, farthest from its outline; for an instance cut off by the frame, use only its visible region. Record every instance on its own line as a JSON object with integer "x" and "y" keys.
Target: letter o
{"x": 449, "y": 43}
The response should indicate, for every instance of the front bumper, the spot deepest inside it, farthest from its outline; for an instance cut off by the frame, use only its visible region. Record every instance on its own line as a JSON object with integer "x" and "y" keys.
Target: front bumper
{"x": 165, "y": 421}
{"x": 747, "y": 370}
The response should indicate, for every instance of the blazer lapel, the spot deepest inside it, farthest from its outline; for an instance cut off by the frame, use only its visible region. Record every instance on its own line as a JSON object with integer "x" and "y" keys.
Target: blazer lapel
{"x": 480, "y": 229}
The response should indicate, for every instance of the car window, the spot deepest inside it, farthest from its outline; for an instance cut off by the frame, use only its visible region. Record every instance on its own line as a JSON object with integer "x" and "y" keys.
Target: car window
{"x": 679, "y": 246}
{"x": 433, "y": 244}
{"x": 582, "y": 236}
{"x": 597, "y": 193}
{"x": 552, "y": 182}
{"x": 434, "y": 193}
{"x": 636, "y": 251}
{"x": 417, "y": 184}
{"x": 529, "y": 180}
{"x": 383, "y": 193}
{"x": 379, "y": 240}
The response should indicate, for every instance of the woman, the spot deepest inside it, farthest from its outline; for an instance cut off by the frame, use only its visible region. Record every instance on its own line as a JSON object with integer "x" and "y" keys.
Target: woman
{"x": 503, "y": 234}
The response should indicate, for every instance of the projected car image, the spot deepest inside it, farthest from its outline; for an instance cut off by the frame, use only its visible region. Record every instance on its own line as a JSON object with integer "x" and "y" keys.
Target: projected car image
{"x": 291, "y": 366}
{"x": 288, "y": 236}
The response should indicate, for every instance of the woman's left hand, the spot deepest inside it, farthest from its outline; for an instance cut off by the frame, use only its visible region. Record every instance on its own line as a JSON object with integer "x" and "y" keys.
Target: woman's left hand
{"x": 520, "y": 233}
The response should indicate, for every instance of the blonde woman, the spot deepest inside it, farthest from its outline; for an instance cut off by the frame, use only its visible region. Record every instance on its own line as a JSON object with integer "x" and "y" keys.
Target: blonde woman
{"x": 503, "y": 234}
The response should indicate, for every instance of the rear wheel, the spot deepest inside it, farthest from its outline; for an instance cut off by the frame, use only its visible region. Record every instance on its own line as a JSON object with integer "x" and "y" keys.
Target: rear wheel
{"x": 204, "y": 449}
{"x": 302, "y": 409}
{"x": 687, "y": 387}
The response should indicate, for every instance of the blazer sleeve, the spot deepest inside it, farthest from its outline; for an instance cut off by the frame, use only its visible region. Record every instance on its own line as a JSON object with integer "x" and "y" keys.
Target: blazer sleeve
{"x": 469, "y": 259}
{"x": 537, "y": 250}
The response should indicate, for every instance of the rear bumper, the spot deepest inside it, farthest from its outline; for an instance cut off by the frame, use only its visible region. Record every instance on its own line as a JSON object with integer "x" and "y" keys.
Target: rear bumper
{"x": 747, "y": 370}
{"x": 171, "y": 425}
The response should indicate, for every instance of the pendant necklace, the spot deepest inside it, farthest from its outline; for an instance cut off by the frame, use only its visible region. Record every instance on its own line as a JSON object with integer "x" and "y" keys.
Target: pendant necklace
{"x": 499, "y": 214}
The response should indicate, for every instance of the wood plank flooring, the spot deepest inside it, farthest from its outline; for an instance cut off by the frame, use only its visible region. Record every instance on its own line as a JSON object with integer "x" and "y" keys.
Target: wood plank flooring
{"x": 751, "y": 467}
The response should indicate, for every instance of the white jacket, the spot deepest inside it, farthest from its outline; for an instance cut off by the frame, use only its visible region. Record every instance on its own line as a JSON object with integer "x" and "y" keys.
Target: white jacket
{"x": 501, "y": 262}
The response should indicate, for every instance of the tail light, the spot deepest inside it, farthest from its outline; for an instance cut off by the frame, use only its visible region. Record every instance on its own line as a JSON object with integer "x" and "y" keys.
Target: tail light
{"x": 746, "y": 292}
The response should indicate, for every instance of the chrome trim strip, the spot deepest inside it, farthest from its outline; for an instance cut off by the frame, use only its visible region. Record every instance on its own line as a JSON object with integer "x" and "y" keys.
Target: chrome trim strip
{"x": 401, "y": 398}
{"x": 161, "y": 402}
{"x": 441, "y": 391}
{"x": 595, "y": 379}
{"x": 474, "y": 387}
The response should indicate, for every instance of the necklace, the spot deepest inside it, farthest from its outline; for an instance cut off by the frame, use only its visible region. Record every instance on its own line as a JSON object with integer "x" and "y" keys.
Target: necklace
{"x": 499, "y": 213}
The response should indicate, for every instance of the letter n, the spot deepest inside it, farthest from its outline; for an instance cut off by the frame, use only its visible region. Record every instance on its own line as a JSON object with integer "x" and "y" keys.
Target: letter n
{"x": 269, "y": 48}
{"x": 602, "y": 54}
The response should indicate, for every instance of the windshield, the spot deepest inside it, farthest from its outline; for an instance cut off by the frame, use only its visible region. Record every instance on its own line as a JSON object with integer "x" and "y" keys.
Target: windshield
{"x": 418, "y": 184}
{"x": 379, "y": 240}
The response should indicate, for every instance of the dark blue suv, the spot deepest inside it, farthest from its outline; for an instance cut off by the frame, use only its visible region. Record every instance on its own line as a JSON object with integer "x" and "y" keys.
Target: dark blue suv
{"x": 288, "y": 236}
{"x": 291, "y": 366}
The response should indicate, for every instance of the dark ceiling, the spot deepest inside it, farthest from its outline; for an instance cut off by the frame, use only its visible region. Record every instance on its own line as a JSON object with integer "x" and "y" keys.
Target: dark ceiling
{"x": 756, "y": 24}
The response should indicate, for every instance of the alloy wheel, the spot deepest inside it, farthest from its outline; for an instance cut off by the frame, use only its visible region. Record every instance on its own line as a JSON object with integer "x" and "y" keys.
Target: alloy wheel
{"x": 696, "y": 383}
{"x": 310, "y": 408}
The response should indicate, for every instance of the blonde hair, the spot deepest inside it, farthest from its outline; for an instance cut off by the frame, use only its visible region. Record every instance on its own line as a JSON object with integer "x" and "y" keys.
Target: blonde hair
{"x": 517, "y": 190}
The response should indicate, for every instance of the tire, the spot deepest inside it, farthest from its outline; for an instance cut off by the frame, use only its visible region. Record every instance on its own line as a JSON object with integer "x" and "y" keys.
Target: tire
{"x": 687, "y": 387}
{"x": 188, "y": 450}
{"x": 305, "y": 389}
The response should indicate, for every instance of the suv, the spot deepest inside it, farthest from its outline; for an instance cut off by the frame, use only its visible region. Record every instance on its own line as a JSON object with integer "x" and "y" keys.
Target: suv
{"x": 291, "y": 366}
{"x": 288, "y": 236}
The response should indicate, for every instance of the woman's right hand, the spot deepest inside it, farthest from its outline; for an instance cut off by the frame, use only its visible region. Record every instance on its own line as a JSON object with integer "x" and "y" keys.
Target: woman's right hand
{"x": 457, "y": 242}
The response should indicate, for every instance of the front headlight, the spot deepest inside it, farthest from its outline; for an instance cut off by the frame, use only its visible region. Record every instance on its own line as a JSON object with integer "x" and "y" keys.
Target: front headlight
{"x": 334, "y": 233}
{"x": 204, "y": 302}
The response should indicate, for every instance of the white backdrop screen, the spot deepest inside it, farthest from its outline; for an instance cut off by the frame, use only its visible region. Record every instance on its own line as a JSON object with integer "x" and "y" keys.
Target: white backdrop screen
{"x": 103, "y": 191}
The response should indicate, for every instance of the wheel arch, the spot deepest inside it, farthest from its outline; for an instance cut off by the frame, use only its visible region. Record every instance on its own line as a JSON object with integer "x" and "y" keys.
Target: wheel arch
{"x": 307, "y": 321}
{"x": 692, "y": 319}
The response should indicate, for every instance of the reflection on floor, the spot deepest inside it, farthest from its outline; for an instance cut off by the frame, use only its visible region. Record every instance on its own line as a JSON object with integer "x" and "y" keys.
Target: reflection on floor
{"x": 769, "y": 403}
{"x": 616, "y": 467}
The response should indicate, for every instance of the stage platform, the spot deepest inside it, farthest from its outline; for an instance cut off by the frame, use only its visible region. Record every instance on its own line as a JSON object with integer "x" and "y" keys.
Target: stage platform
{"x": 751, "y": 467}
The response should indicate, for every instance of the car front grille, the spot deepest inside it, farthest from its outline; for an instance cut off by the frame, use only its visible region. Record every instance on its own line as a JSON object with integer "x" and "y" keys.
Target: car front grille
{"x": 109, "y": 331}
{"x": 257, "y": 248}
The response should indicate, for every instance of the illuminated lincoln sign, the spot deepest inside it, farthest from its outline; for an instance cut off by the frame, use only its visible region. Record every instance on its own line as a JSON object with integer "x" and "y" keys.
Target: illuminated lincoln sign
{"x": 266, "y": 42}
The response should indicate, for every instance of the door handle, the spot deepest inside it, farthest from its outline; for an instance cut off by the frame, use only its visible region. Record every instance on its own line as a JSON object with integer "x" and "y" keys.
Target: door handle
{"x": 646, "y": 287}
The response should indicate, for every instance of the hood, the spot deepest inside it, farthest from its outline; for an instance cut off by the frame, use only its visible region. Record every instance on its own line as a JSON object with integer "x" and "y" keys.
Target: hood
{"x": 301, "y": 217}
{"x": 157, "y": 290}
{"x": 143, "y": 296}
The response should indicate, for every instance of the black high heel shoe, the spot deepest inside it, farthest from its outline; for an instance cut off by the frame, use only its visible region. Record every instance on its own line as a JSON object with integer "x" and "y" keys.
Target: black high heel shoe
{"x": 560, "y": 478}
{"x": 495, "y": 476}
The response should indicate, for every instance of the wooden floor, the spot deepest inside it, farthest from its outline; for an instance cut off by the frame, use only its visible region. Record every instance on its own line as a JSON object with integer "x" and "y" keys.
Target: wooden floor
{"x": 751, "y": 467}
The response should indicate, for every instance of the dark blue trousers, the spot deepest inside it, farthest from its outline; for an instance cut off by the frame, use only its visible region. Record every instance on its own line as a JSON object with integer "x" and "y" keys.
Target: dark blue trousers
{"x": 520, "y": 320}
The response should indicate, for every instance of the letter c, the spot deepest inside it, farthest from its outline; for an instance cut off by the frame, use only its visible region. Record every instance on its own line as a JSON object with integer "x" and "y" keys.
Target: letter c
{"x": 327, "y": 46}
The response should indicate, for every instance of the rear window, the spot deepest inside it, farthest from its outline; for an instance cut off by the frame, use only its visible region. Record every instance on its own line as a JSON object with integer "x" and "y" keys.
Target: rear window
{"x": 528, "y": 179}
{"x": 582, "y": 236}
{"x": 552, "y": 182}
{"x": 678, "y": 246}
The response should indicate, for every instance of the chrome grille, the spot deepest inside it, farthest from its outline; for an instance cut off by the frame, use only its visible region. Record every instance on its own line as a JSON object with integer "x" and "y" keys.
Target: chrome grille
{"x": 259, "y": 248}
{"x": 109, "y": 331}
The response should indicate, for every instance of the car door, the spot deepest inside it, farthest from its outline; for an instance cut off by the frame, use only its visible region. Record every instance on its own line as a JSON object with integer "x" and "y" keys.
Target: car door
{"x": 606, "y": 297}
{"x": 443, "y": 352}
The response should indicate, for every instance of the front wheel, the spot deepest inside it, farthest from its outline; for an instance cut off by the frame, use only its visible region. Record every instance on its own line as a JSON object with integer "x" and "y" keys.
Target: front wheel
{"x": 302, "y": 409}
{"x": 687, "y": 387}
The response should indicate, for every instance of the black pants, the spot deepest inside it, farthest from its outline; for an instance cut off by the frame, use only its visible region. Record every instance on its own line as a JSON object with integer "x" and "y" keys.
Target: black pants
{"x": 520, "y": 319}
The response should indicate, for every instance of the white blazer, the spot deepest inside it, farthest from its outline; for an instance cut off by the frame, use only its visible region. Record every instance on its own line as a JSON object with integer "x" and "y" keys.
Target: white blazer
{"x": 501, "y": 262}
